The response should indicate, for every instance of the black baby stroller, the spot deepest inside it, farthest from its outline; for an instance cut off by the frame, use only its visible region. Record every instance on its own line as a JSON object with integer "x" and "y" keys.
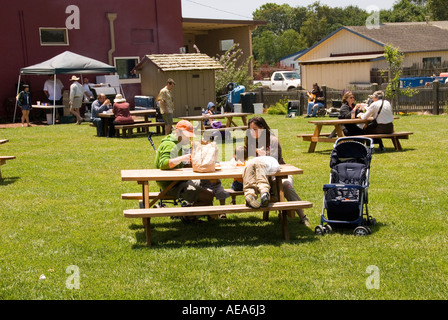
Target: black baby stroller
{"x": 346, "y": 196}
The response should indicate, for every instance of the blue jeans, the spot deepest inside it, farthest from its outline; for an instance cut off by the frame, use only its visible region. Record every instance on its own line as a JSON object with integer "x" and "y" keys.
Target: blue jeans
{"x": 314, "y": 109}
{"x": 99, "y": 126}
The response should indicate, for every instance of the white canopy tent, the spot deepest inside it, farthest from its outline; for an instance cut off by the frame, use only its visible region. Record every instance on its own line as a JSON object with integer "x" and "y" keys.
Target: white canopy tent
{"x": 65, "y": 63}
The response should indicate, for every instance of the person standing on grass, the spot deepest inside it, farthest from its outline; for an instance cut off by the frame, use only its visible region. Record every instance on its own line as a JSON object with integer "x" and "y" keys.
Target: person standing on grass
{"x": 24, "y": 102}
{"x": 76, "y": 96}
{"x": 170, "y": 156}
{"x": 166, "y": 103}
{"x": 54, "y": 95}
{"x": 261, "y": 141}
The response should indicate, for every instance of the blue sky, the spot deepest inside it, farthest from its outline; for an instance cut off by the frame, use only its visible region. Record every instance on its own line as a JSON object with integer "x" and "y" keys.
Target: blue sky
{"x": 242, "y": 9}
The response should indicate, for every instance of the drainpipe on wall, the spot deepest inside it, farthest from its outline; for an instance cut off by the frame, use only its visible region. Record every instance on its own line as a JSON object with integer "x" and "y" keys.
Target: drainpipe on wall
{"x": 111, "y": 17}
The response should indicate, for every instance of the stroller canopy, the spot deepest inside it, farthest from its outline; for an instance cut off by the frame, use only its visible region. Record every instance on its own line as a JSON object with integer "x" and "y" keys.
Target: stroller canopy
{"x": 351, "y": 151}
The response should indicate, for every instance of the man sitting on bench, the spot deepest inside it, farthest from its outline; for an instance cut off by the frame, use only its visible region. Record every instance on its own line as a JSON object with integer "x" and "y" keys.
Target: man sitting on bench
{"x": 170, "y": 155}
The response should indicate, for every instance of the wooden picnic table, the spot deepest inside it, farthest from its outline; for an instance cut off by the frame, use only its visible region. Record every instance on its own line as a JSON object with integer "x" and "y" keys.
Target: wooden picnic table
{"x": 144, "y": 176}
{"x": 338, "y": 132}
{"x": 109, "y": 116}
{"x": 229, "y": 117}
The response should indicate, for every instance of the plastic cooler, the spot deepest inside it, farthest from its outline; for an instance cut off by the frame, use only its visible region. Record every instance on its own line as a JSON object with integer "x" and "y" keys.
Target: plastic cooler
{"x": 145, "y": 102}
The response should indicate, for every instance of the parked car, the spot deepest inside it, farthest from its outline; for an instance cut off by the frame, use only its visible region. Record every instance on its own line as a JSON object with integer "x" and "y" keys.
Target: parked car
{"x": 282, "y": 81}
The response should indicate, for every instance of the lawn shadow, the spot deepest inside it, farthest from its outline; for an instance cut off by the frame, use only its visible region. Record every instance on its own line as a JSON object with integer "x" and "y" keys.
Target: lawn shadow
{"x": 8, "y": 180}
{"x": 233, "y": 231}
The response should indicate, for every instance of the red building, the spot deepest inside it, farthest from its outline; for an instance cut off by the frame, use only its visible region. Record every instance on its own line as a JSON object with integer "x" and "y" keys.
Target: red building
{"x": 117, "y": 32}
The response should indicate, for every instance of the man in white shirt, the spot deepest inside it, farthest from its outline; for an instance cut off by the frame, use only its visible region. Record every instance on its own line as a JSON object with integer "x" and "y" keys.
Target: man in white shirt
{"x": 76, "y": 96}
{"x": 54, "y": 96}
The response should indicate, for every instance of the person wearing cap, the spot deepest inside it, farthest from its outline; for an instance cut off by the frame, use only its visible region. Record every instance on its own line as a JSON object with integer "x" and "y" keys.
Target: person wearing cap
{"x": 171, "y": 155}
{"x": 165, "y": 99}
{"x": 76, "y": 96}
{"x": 24, "y": 102}
{"x": 122, "y": 113}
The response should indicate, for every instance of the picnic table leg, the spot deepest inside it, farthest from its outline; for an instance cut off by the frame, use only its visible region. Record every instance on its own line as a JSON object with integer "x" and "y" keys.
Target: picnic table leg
{"x": 284, "y": 213}
{"x": 315, "y": 138}
{"x": 145, "y": 199}
{"x": 397, "y": 144}
{"x": 148, "y": 231}
{"x": 339, "y": 131}
{"x": 244, "y": 118}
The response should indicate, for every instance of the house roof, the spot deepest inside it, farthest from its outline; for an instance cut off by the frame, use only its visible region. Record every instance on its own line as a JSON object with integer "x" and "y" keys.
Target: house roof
{"x": 200, "y": 26}
{"x": 407, "y": 36}
{"x": 180, "y": 62}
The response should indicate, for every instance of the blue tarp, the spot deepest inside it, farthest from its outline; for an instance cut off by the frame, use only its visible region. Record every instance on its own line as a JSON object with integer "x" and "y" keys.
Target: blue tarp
{"x": 413, "y": 82}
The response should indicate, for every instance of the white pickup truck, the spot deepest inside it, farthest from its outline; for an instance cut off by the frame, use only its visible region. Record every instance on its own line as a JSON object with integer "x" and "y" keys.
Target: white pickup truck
{"x": 281, "y": 81}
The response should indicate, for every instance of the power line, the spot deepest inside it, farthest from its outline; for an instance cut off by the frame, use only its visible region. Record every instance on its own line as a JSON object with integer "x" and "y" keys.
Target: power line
{"x": 210, "y": 7}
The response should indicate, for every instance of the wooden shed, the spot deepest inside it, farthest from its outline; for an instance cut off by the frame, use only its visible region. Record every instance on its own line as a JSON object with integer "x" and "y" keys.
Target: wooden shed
{"x": 193, "y": 73}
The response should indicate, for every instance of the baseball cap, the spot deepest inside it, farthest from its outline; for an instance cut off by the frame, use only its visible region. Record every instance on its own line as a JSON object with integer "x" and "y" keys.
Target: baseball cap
{"x": 186, "y": 127}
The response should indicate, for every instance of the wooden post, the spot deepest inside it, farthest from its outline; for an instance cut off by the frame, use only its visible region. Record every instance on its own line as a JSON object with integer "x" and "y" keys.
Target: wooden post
{"x": 435, "y": 88}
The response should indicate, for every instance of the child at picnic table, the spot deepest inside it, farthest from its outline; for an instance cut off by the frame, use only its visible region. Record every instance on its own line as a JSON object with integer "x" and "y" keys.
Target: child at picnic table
{"x": 170, "y": 156}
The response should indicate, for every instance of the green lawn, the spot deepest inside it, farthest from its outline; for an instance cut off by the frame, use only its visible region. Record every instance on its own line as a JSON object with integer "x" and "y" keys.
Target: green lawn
{"x": 61, "y": 211}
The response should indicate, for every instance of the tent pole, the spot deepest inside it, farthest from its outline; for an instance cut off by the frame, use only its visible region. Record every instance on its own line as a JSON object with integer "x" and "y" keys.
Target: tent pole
{"x": 54, "y": 99}
{"x": 15, "y": 108}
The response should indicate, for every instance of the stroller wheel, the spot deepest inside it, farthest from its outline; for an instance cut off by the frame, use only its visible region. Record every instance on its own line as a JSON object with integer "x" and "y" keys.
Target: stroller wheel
{"x": 319, "y": 230}
{"x": 328, "y": 229}
{"x": 361, "y": 231}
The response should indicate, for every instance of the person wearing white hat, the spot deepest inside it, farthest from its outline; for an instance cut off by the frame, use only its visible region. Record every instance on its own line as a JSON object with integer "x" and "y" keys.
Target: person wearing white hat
{"x": 76, "y": 96}
{"x": 122, "y": 112}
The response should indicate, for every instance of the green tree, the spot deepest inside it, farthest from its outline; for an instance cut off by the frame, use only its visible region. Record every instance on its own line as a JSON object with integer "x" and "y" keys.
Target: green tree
{"x": 395, "y": 59}
{"x": 438, "y": 9}
{"x": 234, "y": 70}
{"x": 407, "y": 11}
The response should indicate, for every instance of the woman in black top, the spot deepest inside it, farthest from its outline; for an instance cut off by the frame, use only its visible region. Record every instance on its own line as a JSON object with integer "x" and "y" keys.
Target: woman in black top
{"x": 349, "y": 111}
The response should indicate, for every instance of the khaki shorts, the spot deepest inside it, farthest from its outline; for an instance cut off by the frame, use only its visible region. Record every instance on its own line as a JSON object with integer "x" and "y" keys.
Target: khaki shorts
{"x": 168, "y": 118}
{"x": 187, "y": 190}
{"x": 77, "y": 103}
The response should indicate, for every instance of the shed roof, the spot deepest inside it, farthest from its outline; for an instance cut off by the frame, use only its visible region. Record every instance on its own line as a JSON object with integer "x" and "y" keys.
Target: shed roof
{"x": 180, "y": 62}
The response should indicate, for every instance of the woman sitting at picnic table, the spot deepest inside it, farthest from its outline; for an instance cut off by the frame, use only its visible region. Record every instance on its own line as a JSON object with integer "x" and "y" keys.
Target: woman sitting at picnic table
{"x": 350, "y": 110}
{"x": 261, "y": 141}
{"x": 122, "y": 113}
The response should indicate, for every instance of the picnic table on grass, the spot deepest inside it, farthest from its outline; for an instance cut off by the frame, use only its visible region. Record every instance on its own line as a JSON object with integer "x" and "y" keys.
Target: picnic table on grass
{"x": 318, "y": 136}
{"x": 3, "y": 159}
{"x": 229, "y": 119}
{"x": 145, "y": 123}
{"x": 143, "y": 177}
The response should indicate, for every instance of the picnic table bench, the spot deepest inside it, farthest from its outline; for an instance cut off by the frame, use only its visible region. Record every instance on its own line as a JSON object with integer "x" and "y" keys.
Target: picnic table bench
{"x": 143, "y": 177}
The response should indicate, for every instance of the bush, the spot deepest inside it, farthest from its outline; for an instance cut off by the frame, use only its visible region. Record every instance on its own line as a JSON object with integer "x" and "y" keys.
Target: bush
{"x": 281, "y": 107}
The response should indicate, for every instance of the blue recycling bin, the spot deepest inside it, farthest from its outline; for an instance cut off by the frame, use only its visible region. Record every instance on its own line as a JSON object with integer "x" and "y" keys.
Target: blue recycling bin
{"x": 234, "y": 95}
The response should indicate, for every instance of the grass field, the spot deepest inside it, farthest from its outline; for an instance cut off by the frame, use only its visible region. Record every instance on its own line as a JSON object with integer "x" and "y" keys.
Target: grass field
{"x": 61, "y": 217}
